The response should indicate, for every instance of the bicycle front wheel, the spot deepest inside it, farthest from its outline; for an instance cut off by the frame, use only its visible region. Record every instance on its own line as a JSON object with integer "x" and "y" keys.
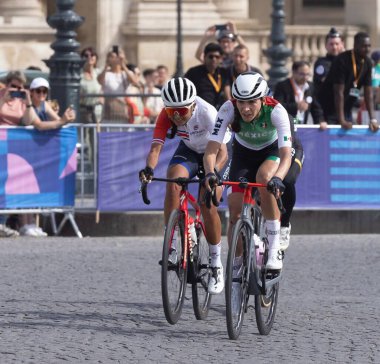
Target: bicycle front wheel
{"x": 237, "y": 279}
{"x": 265, "y": 308}
{"x": 201, "y": 273}
{"x": 173, "y": 273}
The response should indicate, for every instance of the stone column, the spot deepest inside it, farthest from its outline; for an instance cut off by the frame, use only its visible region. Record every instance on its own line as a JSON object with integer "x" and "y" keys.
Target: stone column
{"x": 232, "y": 9}
{"x": 25, "y": 35}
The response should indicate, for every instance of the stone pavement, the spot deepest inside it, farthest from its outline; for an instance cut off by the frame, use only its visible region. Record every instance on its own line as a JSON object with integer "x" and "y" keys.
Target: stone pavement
{"x": 98, "y": 300}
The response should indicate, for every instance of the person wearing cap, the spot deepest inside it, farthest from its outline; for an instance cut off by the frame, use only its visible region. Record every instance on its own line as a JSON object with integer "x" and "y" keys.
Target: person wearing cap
{"x": 227, "y": 37}
{"x": 46, "y": 118}
{"x": 334, "y": 45}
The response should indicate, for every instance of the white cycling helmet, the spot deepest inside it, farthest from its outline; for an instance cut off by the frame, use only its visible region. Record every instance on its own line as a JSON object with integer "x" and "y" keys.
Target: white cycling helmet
{"x": 249, "y": 86}
{"x": 178, "y": 92}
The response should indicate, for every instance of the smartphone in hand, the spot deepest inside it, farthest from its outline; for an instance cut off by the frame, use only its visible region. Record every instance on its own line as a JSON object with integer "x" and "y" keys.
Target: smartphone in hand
{"x": 18, "y": 94}
{"x": 115, "y": 49}
{"x": 220, "y": 27}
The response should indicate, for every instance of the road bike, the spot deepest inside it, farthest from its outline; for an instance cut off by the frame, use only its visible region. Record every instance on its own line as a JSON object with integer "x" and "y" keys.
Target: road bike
{"x": 246, "y": 272}
{"x": 183, "y": 260}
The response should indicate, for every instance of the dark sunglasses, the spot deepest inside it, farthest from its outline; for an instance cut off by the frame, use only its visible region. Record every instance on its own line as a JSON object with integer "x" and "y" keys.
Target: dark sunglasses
{"x": 87, "y": 55}
{"x": 41, "y": 90}
{"x": 212, "y": 56}
{"x": 15, "y": 86}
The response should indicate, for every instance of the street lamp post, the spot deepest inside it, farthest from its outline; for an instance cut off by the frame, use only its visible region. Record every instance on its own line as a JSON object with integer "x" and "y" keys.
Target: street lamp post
{"x": 179, "y": 62}
{"x": 278, "y": 52}
{"x": 65, "y": 64}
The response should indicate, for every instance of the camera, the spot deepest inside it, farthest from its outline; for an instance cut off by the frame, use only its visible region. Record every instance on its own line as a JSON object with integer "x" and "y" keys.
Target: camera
{"x": 220, "y": 27}
{"x": 18, "y": 94}
{"x": 115, "y": 49}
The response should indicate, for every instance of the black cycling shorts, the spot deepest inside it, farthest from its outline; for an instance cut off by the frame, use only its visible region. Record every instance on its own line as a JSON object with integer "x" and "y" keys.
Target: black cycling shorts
{"x": 297, "y": 162}
{"x": 246, "y": 162}
{"x": 193, "y": 161}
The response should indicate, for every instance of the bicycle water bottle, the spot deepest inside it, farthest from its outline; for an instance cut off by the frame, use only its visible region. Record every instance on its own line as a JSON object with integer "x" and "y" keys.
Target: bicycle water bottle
{"x": 259, "y": 244}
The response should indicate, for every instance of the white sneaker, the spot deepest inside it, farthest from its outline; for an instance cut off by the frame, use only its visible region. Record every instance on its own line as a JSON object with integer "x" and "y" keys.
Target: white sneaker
{"x": 39, "y": 231}
{"x": 28, "y": 230}
{"x": 274, "y": 259}
{"x": 216, "y": 283}
{"x": 6, "y": 232}
{"x": 285, "y": 237}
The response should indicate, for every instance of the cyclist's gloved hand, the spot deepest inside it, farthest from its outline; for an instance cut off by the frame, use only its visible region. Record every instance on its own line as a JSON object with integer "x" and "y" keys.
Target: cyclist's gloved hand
{"x": 276, "y": 186}
{"x": 146, "y": 174}
{"x": 211, "y": 181}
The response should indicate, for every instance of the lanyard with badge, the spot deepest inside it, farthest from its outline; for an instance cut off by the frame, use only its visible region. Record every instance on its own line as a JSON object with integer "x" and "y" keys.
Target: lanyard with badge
{"x": 354, "y": 91}
{"x": 217, "y": 86}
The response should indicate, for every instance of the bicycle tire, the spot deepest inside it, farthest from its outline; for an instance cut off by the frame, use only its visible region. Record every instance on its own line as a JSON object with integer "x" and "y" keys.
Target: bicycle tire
{"x": 237, "y": 287}
{"x": 201, "y": 274}
{"x": 265, "y": 309}
{"x": 173, "y": 274}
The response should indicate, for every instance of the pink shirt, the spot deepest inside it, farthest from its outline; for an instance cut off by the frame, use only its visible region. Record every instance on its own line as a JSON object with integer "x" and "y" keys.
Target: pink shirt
{"x": 11, "y": 112}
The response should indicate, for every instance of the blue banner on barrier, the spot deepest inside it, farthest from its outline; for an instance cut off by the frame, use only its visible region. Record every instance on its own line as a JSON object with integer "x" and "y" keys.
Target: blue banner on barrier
{"x": 37, "y": 169}
{"x": 341, "y": 170}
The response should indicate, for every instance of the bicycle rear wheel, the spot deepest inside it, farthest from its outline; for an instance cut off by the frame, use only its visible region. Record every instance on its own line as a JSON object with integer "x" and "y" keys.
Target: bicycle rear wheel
{"x": 201, "y": 274}
{"x": 173, "y": 274}
{"x": 237, "y": 280}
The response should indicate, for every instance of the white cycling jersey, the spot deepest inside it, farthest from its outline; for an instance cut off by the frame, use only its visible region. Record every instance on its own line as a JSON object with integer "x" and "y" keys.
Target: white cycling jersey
{"x": 272, "y": 124}
{"x": 196, "y": 132}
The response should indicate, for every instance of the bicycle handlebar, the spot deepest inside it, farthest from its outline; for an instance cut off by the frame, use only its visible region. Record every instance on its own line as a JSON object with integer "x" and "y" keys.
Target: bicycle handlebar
{"x": 215, "y": 201}
{"x": 181, "y": 181}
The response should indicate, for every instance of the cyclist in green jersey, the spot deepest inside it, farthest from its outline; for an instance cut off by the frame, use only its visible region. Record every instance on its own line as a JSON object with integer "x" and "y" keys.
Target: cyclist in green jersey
{"x": 261, "y": 152}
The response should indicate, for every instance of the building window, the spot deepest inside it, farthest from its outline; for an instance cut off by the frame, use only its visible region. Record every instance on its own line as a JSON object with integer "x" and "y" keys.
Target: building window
{"x": 323, "y": 3}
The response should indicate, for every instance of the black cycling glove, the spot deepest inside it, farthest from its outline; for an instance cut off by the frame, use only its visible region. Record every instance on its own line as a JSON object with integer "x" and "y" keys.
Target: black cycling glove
{"x": 213, "y": 179}
{"x": 146, "y": 173}
{"x": 275, "y": 184}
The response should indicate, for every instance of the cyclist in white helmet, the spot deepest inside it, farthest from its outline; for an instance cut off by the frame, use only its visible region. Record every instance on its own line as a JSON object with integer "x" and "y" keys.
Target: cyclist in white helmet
{"x": 193, "y": 120}
{"x": 261, "y": 151}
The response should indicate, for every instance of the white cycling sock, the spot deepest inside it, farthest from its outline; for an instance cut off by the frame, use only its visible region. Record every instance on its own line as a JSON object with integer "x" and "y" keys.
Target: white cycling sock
{"x": 215, "y": 251}
{"x": 273, "y": 228}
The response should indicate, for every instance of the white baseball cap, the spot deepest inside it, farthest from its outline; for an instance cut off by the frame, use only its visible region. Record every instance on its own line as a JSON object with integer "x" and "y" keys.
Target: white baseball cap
{"x": 39, "y": 82}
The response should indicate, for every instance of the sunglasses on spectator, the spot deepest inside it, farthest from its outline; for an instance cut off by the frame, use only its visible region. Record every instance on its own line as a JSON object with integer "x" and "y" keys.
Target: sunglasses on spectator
{"x": 41, "y": 90}
{"x": 212, "y": 56}
{"x": 87, "y": 55}
{"x": 15, "y": 86}
{"x": 177, "y": 112}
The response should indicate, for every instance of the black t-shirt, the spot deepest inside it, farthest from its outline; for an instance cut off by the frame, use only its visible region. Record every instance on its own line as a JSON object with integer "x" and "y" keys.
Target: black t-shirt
{"x": 321, "y": 69}
{"x": 342, "y": 72}
{"x": 205, "y": 89}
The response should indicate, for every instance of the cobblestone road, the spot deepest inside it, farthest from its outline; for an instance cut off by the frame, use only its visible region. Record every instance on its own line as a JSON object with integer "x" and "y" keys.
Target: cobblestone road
{"x": 98, "y": 300}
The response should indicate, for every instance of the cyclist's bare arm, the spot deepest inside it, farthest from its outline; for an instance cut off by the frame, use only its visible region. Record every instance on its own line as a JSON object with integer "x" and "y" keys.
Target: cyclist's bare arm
{"x": 209, "y": 159}
{"x": 221, "y": 157}
{"x": 153, "y": 155}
